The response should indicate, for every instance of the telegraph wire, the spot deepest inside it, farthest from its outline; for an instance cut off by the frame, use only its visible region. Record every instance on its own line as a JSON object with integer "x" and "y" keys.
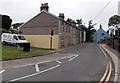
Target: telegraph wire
{"x": 102, "y": 10}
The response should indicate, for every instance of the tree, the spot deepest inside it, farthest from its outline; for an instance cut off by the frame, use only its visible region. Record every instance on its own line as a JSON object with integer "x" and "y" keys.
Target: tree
{"x": 69, "y": 20}
{"x": 114, "y": 21}
{"x": 16, "y": 25}
{"x": 6, "y": 22}
{"x": 79, "y": 22}
{"x": 90, "y": 31}
{"x": 73, "y": 22}
{"x": 3, "y": 31}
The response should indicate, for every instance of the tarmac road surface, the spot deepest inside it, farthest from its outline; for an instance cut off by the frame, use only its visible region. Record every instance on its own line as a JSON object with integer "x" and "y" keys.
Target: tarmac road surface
{"x": 86, "y": 63}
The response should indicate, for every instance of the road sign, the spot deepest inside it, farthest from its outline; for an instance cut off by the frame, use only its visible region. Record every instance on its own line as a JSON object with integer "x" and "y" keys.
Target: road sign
{"x": 52, "y": 32}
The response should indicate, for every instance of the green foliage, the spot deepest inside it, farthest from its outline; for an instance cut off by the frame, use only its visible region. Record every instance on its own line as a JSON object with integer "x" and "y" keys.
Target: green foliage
{"x": 4, "y": 31}
{"x": 114, "y": 21}
{"x": 13, "y": 31}
{"x": 79, "y": 22}
{"x": 90, "y": 31}
{"x": 16, "y": 25}
{"x": 6, "y": 22}
{"x": 91, "y": 25}
{"x": 69, "y": 20}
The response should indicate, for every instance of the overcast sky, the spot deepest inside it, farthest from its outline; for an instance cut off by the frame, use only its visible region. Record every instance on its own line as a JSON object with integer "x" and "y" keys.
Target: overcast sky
{"x": 24, "y": 10}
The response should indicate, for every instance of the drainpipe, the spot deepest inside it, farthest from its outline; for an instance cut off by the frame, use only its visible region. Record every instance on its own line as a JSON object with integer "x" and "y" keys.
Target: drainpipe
{"x": 59, "y": 35}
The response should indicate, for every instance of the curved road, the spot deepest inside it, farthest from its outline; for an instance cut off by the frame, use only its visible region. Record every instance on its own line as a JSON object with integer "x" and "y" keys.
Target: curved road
{"x": 87, "y": 64}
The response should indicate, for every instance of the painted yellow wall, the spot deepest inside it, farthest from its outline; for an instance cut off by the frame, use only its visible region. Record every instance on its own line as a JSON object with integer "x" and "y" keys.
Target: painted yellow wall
{"x": 42, "y": 41}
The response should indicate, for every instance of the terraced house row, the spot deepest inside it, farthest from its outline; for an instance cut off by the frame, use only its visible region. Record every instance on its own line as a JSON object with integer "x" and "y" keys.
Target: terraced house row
{"x": 38, "y": 30}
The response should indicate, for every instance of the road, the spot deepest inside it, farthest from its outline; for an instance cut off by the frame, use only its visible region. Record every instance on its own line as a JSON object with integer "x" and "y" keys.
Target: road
{"x": 87, "y": 64}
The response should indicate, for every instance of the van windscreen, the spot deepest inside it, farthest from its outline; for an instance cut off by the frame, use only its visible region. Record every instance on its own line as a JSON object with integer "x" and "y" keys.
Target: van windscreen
{"x": 21, "y": 38}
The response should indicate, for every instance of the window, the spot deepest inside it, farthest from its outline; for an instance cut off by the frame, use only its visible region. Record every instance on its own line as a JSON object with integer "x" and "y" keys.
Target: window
{"x": 65, "y": 29}
{"x": 15, "y": 37}
{"x": 21, "y": 38}
{"x": 62, "y": 40}
{"x": 62, "y": 23}
{"x": 69, "y": 40}
{"x": 62, "y": 28}
{"x": 69, "y": 29}
{"x": 102, "y": 34}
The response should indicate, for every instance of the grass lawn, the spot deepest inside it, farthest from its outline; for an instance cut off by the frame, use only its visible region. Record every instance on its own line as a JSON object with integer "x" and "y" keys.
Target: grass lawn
{"x": 10, "y": 52}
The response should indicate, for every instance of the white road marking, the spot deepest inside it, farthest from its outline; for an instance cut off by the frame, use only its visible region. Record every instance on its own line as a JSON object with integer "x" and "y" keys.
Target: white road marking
{"x": 25, "y": 65}
{"x": 37, "y": 68}
{"x": 41, "y": 62}
{"x": 2, "y": 71}
{"x": 57, "y": 53}
{"x": 58, "y": 61}
{"x": 76, "y": 55}
{"x": 35, "y": 73}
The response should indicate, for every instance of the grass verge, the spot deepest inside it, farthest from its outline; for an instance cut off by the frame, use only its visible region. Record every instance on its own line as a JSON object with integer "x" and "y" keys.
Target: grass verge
{"x": 9, "y": 52}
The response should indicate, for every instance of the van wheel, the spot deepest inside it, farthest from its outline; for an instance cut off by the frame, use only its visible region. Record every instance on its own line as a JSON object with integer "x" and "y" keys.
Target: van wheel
{"x": 16, "y": 44}
{"x": 4, "y": 42}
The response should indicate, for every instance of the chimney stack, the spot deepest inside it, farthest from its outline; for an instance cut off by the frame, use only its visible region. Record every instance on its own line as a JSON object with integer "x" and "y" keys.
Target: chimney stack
{"x": 44, "y": 7}
{"x": 61, "y": 15}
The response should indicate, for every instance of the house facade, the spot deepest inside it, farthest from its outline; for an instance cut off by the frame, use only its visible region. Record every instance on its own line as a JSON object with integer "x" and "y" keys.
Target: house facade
{"x": 100, "y": 34}
{"x": 38, "y": 30}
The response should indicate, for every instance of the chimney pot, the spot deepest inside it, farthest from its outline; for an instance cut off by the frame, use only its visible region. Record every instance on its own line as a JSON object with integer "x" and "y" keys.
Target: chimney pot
{"x": 46, "y": 4}
{"x": 42, "y": 4}
{"x": 44, "y": 7}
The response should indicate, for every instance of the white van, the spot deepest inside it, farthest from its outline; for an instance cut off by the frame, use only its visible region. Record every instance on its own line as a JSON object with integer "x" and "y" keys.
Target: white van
{"x": 13, "y": 39}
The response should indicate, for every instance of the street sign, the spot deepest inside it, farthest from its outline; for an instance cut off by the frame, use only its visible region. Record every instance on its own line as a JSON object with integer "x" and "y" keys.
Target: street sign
{"x": 52, "y": 32}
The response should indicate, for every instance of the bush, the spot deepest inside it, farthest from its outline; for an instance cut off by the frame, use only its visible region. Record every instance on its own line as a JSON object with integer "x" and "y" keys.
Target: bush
{"x": 4, "y": 31}
{"x": 15, "y": 31}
